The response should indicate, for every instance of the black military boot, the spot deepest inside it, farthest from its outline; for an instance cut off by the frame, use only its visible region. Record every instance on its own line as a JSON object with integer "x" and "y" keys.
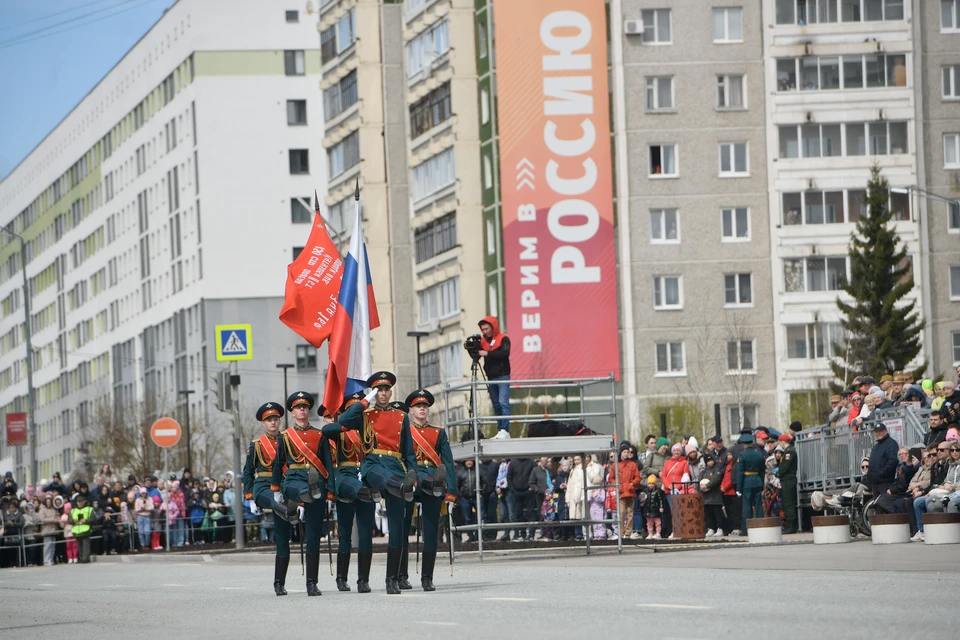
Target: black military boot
{"x": 343, "y": 566}
{"x": 408, "y": 484}
{"x": 281, "y": 511}
{"x": 305, "y": 497}
{"x": 313, "y": 569}
{"x": 403, "y": 575}
{"x": 439, "y": 484}
{"x": 280, "y": 575}
{"x": 364, "y": 558}
{"x": 426, "y": 571}
{"x": 393, "y": 565}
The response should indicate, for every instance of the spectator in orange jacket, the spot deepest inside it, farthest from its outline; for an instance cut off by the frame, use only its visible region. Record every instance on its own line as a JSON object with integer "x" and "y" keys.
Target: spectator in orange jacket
{"x": 630, "y": 481}
{"x": 674, "y": 470}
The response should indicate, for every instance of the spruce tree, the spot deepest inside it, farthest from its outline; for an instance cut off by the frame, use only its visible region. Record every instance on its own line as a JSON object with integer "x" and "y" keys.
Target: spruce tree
{"x": 883, "y": 333}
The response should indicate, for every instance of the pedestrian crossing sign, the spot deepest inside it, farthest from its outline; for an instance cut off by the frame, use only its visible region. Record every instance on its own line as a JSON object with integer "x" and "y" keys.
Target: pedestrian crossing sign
{"x": 234, "y": 342}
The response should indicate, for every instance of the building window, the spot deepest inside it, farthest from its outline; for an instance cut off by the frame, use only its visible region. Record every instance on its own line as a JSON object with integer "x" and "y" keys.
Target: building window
{"x": 730, "y": 92}
{"x": 427, "y": 47}
{"x": 813, "y": 73}
{"x": 299, "y": 161}
{"x": 949, "y": 15}
{"x": 439, "y": 301}
{"x": 344, "y": 155}
{"x": 300, "y": 210}
{"x": 664, "y": 226}
{"x": 804, "y": 12}
{"x": 670, "y": 359}
{"x": 656, "y": 26}
{"x": 291, "y": 15}
{"x": 956, "y": 348}
{"x": 295, "y": 252}
{"x": 733, "y": 159}
{"x": 727, "y": 24}
{"x": 296, "y": 112}
{"x": 814, "y": 341}
{"x": 955, "y": 282}
{"x": 435, "y": 238}
{"x": 740, "y": 355}
{"x": 306, "y": 357}
{"x": 430, "y": 110}
{"x": 659, "y": 93}
{"x": 814, "y": 273}
{"x": 953, "y": 215}
{"x": 663, "y": 160}
{"x": 340, "y": 96}
{"x": 737, "y": 290}
{"x": 738, "y": 421}
{"x": 293, "y": 62}
{"x": 951, "y": 151}
{"x": 667, "y": 292}
{"x": 337, "y": 38}
{"x": 735, "y": 224}
{"x": 951, "y": 82}
{"x": 432, "y": 175}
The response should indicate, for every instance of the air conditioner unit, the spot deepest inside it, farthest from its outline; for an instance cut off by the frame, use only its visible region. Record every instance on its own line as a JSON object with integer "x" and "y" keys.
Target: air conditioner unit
{"x": 633, "y": 27}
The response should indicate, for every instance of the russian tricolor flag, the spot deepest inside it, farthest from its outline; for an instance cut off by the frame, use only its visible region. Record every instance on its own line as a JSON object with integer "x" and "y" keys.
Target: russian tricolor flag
{"x": 356, "y": 315}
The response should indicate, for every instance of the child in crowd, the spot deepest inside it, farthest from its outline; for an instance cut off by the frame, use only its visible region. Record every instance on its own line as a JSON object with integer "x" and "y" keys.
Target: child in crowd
{"x": 653, "y": 507}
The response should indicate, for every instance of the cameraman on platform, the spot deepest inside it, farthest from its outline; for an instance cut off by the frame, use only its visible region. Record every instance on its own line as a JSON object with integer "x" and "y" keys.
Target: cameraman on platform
{"x": 495, "y": 351}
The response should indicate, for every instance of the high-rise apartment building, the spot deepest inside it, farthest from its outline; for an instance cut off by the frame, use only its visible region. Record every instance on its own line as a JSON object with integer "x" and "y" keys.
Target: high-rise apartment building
{"x": 166, "y": 202}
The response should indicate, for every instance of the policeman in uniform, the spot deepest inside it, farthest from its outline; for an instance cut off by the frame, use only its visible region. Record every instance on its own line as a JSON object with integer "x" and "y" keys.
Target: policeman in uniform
{"x": 436, "y": 482}
{"x": 389, "y": 465}
{"x": 257, "y": 472}
{"x": 749, "y": 480}
{"x": 787, "y": 472}
{"x": 353, "y": 499}
{"x": 300, "y": 474}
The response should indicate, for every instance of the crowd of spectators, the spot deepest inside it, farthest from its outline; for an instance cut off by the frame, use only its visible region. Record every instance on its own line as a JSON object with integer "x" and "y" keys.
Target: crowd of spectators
{"x": 866, "y": 395}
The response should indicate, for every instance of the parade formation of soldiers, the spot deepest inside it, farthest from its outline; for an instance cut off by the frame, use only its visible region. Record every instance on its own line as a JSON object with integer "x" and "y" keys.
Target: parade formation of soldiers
{"x": 370, "y": 450}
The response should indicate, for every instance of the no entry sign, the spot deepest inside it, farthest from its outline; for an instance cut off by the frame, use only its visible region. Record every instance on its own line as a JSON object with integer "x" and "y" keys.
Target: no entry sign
{"x": 165, "y": 432}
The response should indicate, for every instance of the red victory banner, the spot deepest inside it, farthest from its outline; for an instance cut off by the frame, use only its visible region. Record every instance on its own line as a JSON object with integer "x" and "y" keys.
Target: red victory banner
{"x": 556, "y": 187}
{"x": 16, "y": 429}
{"x": 313, "y": 283}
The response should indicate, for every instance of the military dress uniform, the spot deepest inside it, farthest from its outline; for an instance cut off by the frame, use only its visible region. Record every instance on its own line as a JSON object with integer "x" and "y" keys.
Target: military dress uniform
{"x": 301, "y": 474}
{"x": 787, "y": 472}
{"x": 389, "y": 468}
{"x": 353, "y": 499}
{"x": 749, "y": 482}
{"x": 436, "y": 479}
{"x": 257, "y": 474}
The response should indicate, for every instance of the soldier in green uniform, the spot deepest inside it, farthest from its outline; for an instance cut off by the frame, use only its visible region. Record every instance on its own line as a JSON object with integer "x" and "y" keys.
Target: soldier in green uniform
{"x": 353, "y": 499}
{"x": 787, "y": 472}
{"x": 749, "y": 480}
{"x": 389, "y": 465}
{"x": 300, "y": 475}
{"x": 436, "y": 482}
{"x": 257, "y": 473}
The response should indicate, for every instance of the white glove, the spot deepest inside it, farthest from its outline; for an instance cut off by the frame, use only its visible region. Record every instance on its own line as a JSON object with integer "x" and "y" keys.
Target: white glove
{"x": 254, "y": 509}
{"x": 370, "y": 395}
{"x": 278, "y": 497}
{"x": 300, "y": 512}
{"x": 739, "y": 495}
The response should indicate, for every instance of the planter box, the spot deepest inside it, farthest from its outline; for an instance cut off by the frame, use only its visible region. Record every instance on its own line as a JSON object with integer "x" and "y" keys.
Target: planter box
{"x": 890, "y": 528}
{"x": 764, "y": 531}
{"x": 941, "y": 528}
{"x": 831, "y": 529}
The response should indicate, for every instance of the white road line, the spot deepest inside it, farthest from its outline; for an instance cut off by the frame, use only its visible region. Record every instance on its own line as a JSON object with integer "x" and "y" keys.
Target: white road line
{"x": 231, "y": 588}
{"x": 507, "y": 599}
{"x": 673, "y": 606}
{"x": 437, "y": 623}
{"x": 46, "y": 584}
{"x": 172, "y": 584}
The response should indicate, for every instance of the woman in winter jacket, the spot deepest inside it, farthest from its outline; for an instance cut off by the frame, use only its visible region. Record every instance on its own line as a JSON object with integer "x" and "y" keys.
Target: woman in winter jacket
{"x": 574, "y": 496}
{"x": 596, "y": 496}
{"x": 143, "y": 509}
{"x": 710, "y": 481}
{"x": 49, "y": 528}
{"x": 731, "y": 502}
{"x": 674, "y": 471}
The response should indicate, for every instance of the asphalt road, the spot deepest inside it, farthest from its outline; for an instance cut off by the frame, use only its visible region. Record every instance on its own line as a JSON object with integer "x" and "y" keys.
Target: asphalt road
{"x": 855, "y": 590}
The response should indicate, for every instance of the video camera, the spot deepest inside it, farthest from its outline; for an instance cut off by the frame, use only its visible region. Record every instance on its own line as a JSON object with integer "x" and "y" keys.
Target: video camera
{"x": 473, "y": 346}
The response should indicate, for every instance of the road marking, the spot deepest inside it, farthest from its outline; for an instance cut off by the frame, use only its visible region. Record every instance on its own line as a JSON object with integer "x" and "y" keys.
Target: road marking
{"x": 673, "y": 606}
{"x": 507, "y": 599}
{"x": 437, "y": 623}
{"x": 46, "y": 584}
{"x": 172, "y": 584}
{"x": 230, "y": 588}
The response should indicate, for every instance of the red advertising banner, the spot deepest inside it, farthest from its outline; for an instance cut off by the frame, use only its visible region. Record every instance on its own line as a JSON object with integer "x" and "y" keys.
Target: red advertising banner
{"x": 16, "y": 429}
{"x": 556, "y": 188}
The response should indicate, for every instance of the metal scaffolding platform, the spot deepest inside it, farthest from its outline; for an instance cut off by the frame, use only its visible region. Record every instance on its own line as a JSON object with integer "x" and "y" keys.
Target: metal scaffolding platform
{"x": 477, "y": 448}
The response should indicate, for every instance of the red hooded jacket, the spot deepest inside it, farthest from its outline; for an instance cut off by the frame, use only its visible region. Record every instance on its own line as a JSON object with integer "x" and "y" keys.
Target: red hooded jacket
{"x": 496, "y": 364}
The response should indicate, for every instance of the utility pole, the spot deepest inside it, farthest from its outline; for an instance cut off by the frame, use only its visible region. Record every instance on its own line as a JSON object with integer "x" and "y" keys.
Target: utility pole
{"x": 285, "y": 366}
{"x": 186, "y": 393}
{"x": 417, "y": 335}
{"x": 237, "y": 486}
{"x": 28, "y": 338}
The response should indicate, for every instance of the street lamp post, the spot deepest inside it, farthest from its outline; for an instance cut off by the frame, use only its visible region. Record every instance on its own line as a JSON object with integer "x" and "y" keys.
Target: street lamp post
{"x": 285, "y": 366}
{"x": 28, "y": 338}
{"x": 417, "y": 335}
{"x": 186, "y": 393}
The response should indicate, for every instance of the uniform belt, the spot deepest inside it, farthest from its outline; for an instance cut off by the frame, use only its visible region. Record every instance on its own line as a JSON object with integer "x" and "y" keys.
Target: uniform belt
{"x": 751, "y": 473}
{"x": 351, "y": 465}
{"x": 300, "y": 465}
{"x": 264, "y": 474}
{"x": 386, "y": 452}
